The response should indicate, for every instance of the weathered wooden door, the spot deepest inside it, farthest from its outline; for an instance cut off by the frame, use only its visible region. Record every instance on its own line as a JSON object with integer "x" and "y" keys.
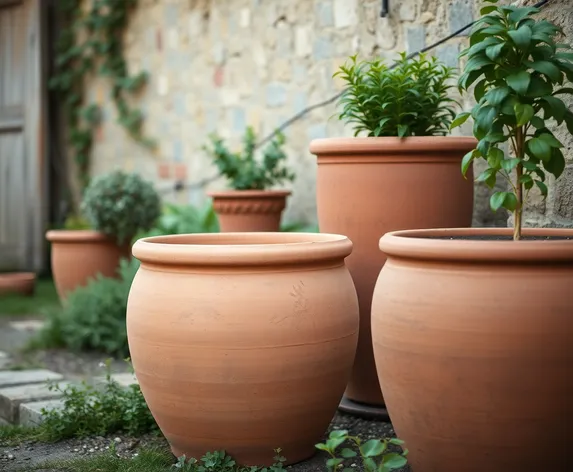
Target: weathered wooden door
{"x": 22, "y": 183}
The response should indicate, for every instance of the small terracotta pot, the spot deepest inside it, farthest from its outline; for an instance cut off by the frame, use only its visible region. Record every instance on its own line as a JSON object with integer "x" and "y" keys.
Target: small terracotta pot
{"x": 243, "y": 341}
{"x": 22, "y": 283}
{"x": 79, "y": 255}
{"x": 369, "y": 186}
{"x": 474, "y": 347}
{"x": 249, "y": 210}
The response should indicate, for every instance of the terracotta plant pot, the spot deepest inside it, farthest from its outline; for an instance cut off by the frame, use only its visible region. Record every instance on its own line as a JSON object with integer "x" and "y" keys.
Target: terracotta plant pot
{"x": 243, "y": 341}
{"x": 474, "y": 347}
{"x": 369, "y": 186}
{"x": 249, "y": 210}
{"x": 78, "y": 256}
{"x": 22, "y": 283}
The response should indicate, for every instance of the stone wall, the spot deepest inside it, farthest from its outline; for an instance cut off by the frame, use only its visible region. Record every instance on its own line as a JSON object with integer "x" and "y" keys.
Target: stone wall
{"x": 220, "y": 65}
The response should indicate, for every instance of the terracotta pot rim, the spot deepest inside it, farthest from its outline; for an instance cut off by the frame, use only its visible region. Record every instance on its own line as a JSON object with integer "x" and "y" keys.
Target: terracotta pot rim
{"x": 242, "y": 249}
{"x": 238, "y": 194}
{"x": 420, "y": 147}
{"x": 76, "y": 236}
{"x": 415, "y": 244}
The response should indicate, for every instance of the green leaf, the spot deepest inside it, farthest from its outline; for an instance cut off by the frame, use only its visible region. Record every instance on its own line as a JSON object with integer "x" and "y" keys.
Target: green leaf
{"x": 486, "y": 116}
{"x": 520, "y": 13}
{"x": 537, "y": 122}
{"x": 333, "y": 463}
{"x": 488, "y": 9}
{"x": 509, "y": 164}
{"x": 460, "y": 120}
{"x": 394, "y": 461}
{"x": 467, "y": 160}
{"x": 488, "y": 176}
{"x": 510, "y": 202}
{"x": 338, "y": 433}
{"x": 493, "y": 52}
{"x": 523, "y": 113}
{"x": 556, "y": 165}
{"x": 321, "y": 447}
{"x": 402, "y": 131}
{"x": 551, "y": 140}
{"x": 497, "y": 95}
{"x": 542, "y": 187}
{"x": 372, "y": 448}
{"x": 496, "y": 200}
{"x": 558, "y": 108}
{"x": 495, "y": 157}
{"x": 348, "y": 453}
{"x": 539, "y": 87}
{"x": 539, "y": 148}
{"x": 521, "y": 36}
{"x": 396, "y": 441}
{"x": 519, "y": 82}
{"x": 548, "y": 69}
{"x": 333, "y": 443}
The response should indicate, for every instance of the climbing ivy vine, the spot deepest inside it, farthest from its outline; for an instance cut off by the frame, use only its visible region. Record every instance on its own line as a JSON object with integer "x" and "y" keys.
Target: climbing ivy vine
{"x": 91, "y": 44}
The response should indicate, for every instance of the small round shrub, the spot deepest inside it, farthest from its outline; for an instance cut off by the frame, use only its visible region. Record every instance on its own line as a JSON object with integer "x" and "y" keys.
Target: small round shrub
{"x": 120, "y": 205}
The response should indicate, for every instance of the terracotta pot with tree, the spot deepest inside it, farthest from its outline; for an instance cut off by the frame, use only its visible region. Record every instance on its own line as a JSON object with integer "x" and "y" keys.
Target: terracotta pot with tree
{"x": 403, "y": 174}
{"x": 250, "y": 206}
{"x": 473, "y": 328}
{"x": 115, "y": 207}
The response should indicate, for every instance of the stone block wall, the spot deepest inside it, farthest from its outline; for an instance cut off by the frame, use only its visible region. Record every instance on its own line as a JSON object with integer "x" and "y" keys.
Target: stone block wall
{"x": 220, "y": 65}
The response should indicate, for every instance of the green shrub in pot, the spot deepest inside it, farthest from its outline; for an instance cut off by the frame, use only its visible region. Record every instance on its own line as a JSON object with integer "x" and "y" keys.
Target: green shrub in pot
{"x": 120, "y": 205}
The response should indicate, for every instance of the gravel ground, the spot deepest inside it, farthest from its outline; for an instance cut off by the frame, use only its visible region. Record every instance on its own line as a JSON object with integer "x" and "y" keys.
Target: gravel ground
{"x": 29, "y": 455}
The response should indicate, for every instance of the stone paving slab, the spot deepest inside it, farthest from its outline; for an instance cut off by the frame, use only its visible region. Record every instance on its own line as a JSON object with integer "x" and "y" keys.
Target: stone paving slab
{"x": 12, "y": 378}
{"x": 28, "y": 325}
{"x": 12, "y": 397}
{"x": 31, "y": 413}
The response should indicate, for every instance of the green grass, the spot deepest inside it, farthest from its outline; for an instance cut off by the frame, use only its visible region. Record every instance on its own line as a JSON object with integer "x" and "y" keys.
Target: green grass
{"x": 45, "y": 298}
{"x": 147, "y": 460}
{"x": 12, "y": 434}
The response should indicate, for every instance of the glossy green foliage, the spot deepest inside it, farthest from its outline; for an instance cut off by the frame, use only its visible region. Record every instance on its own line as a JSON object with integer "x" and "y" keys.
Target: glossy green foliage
{"x": 374, "y": 454}
{"x": 243, "y": 170}
{"x": 120, "y": 205}
{"x": 185, "y": 219}
{"x": 91, "y": 42}
{"x": 410, "y": 99}
{"x": 518, "y": 71}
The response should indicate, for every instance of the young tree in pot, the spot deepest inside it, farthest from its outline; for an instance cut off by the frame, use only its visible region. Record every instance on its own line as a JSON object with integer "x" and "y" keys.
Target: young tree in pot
{"x": 404, "y": 174}
{"x": 117, "y": 206}
{"x": 466, "y": 322}
{"x": 250, "y": 206}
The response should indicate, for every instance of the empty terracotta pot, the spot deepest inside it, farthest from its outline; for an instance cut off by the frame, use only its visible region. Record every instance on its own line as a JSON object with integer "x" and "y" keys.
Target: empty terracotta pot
{"x": 473, "y": 341}
{"x": 369, "y": 186}
{"x": 243, "y": 341}
{"x": 79, "y": 255}
{"x": 249, "y": 210}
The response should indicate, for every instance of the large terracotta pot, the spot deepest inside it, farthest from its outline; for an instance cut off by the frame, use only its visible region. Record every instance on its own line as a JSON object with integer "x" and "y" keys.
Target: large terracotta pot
{"x": 22, "y": 283}
{"x": 243, "y": 341}
{"x": 474, "y": 347}
{"x": 369, "y": 186}
{"x": 79, "y": 255}
{"x": 249, "y": 210}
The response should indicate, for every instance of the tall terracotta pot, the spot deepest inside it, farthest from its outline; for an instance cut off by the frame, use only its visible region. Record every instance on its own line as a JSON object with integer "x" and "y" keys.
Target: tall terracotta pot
{"x": 243, "y": 341}
{"x": 369, "y": 186}
{"x": 474, "y": 347}
{"x": 249, "y": 210}
{"x": 79, "y": 255}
